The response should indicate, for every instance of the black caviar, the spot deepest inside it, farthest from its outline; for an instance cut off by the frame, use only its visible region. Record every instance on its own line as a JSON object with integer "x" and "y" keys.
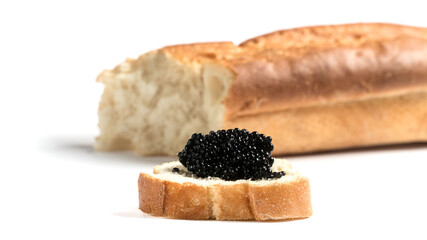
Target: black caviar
{"x": 229, "y": 154}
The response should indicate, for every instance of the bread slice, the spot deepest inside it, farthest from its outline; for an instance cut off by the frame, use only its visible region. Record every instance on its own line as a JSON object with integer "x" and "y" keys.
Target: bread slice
{"x": 310, "y": 89}
{"x": 183, "y": 196}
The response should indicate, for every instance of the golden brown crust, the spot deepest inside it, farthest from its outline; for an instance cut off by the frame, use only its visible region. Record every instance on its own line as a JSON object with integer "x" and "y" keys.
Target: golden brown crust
{"x": 201, "y": 52}
{"x": 281, "y": 201}
{"x": 244, "y": 201}
{"x": 186, "y": 201}
{"x": 327, "y": 64}
{"x": 151, "y": 194}
{"x": 174, "y": 200}
{"x": 378, "y": 121}
{"x": 316, "y": 65}
{"x": 350, "y": 35}
{"x": 232, "y": 202}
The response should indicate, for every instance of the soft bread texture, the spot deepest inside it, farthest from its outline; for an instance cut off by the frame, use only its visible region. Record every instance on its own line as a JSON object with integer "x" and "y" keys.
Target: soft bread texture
{"x": 173, "y": 195}
{"x": 310, "y": 89}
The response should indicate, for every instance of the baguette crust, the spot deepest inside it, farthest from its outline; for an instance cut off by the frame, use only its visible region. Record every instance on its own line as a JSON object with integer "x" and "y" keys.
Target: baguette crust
{"x": 327, "y": 64}
{"x": 245, "y": 200}
{"x": 152, "y": 194}
{"x": 185, "y": 201}
{"x": 281, "y": 201}
{"x": 387, "y": 120}
{"x": 233, "y": 202}
{"x": 316, "y": 65}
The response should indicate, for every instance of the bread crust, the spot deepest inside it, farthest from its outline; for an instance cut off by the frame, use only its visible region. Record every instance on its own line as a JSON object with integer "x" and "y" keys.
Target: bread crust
{"x": 316, "y": 65}
{"x": 281, "y": 201}
{"x": 151, "y": 194}
{"x": 327, "y": 64}
{"x": 232, "y": 202}
{"x": 380, "y": 121}
{"x": 243, "y": 201}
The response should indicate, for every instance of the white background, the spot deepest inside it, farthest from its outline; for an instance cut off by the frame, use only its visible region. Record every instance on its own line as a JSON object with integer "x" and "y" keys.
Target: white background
{"x": 54, "y": 186}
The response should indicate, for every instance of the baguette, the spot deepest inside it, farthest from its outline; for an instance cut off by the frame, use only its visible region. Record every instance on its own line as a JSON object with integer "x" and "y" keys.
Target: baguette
{"x": 310, "y": 89}
{"x": 183, "y": 196}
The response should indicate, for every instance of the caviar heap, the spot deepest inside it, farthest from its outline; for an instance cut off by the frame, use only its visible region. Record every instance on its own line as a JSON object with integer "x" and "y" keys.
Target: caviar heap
{"x": 229, "y": 154}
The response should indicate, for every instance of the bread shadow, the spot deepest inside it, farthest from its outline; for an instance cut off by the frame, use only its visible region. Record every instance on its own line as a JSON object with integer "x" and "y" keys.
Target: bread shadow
{"x": 381, "y": 148}
{"x": 136, "y": 213}
{"x": 82, "y": 149}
